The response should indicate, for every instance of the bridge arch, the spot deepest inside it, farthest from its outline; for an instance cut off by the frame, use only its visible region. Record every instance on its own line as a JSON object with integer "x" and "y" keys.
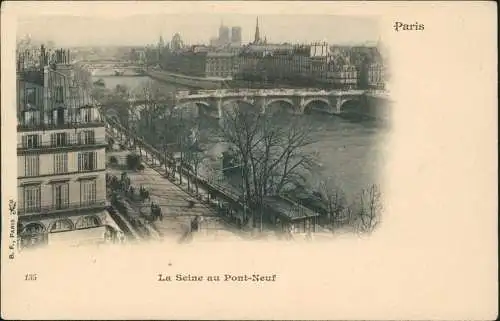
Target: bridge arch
{"x": 194, "y": 102}
{"x": 272, "y": 102}
{"x": 196, "y": 106}
{"x": 326, "y": 104}
{"x": 348, "y": 104}
{"x": 231, "y": 104}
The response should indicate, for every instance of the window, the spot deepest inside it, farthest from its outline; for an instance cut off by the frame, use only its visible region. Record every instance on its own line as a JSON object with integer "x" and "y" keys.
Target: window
{"x": 60, "y": 163}
{"x": 31, "y": 141}
{"x": 61, "y": 225}
{"x": 86, "y": 115}
{"x": 88, "y": 192}
{"x": 33, "y": 228}
{"x": 58, "y": 139}
{"x": 30, "y": 96}
{"x": 73, "y": 92}
{"x": 31, "y": 165}
{"x": 87, "y": 222}
{"x": 87, "y": 161}
{"x": 60, "y": 195}
{"x": 59, "y": 94}
{"x": 59, "y": 115}
{"x": 32, "y": 198}
{"x": 87, "y": 137}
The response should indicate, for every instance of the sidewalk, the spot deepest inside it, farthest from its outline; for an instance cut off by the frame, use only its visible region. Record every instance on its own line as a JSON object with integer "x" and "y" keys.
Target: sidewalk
{"x": 172, "y": 187}
{"x": 173, "y": 200}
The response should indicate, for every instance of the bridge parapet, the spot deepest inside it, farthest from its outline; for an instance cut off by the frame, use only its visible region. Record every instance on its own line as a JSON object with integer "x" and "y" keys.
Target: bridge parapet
{"x": 267, "y": 92}
{"x": 297, "y": 99}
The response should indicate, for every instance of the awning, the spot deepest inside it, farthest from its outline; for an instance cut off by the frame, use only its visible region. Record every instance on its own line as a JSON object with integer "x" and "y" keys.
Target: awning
{"x": 88, "y": 236}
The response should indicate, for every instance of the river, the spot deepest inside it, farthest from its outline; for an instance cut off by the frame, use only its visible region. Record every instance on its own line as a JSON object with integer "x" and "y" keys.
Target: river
{"x": 350, "y": 151}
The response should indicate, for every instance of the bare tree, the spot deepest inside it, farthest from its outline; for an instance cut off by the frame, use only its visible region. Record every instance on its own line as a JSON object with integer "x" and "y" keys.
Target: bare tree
{"x": 155, "y": 104}
{"x": 270, "y": 153}
{"x": 368, "y": 208}
{"x": 334, "y": 198}
{"x": 194, "y": 155}
{"x": 194, "y": 159}
{"x": 113, "y": 102}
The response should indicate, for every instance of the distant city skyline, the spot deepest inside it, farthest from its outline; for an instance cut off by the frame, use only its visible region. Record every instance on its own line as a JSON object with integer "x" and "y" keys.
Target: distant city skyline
{"x": 72, "y": 30}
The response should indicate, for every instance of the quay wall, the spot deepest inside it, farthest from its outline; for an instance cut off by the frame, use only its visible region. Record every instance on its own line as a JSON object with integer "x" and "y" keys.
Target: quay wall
{"x": 187, "y": 81}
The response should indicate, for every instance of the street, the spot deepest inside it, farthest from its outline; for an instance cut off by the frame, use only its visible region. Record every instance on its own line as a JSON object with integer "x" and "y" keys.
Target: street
{"x": 174, "y": 203}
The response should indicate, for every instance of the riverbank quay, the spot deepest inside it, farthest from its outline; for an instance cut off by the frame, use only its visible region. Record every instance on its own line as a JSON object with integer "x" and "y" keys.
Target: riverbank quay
{"x": 187, "y": 81}
{"x": 178, "y": 204}
{"x": 226, "y": 200}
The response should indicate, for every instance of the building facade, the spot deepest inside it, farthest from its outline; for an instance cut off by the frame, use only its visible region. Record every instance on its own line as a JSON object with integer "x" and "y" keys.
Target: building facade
{"x": 202, "y": 63}
{"x": 221, "y": 64}
{"x": 186, "y": 62}
{"x": 376, "y": 76}
{"x": 343, "y": 76}
{"x": 319, "y": 64}
{"x": 275, "y": 63}
{"x": 60, "y": 154}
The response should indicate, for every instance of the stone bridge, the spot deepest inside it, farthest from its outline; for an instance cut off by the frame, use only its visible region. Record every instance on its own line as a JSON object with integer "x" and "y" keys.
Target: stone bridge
{"x": 298, "y": 101}
{"x": 109, "y": 67}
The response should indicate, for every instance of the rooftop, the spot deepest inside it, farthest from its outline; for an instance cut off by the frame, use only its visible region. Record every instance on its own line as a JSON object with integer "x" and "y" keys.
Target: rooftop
{"x": 220, "y": 54}
{"x": 288, "y": 208}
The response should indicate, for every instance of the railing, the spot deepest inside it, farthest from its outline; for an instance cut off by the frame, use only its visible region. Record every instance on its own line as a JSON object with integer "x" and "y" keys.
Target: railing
{"x": 228, "y": 191}
{"x": 64, "y": 171}
{"x": 74, "y": 142}
{"x": 54, "y": 208}
{"x": 159, "y": 154}
{"x": 378, "y": 93}
{"x": 40, "y": 125}
{"x": 287, "y": 92}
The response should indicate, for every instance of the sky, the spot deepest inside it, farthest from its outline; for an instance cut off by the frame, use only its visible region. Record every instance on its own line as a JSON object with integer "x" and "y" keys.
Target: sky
{"x": 141, "y": 29}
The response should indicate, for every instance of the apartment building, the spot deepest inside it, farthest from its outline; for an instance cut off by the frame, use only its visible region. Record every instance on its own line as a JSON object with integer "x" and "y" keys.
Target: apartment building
{"x": 60, "y": 156}
{"x": 221, "y": 64}
{"x": 376, "y": 76}
{"x": 343, "y": 76}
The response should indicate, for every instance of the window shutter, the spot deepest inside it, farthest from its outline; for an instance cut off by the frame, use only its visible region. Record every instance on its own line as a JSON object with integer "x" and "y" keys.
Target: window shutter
{"x": 66, "y": 193}
{"x": 37, "y": 164}
{"x": 94, "y": 160}
{"x": 80, "y": 161}
{"x": 25, "y": 141}
{"x": 52, "y": 139}
{"x": 54, "y": 194}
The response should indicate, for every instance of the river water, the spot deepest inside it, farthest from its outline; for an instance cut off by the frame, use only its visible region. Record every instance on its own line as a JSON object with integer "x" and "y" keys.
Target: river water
{"x": 350, "y": 151}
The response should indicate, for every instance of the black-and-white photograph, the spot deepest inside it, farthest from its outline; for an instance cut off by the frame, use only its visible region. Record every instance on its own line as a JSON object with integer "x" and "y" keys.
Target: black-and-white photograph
{"x": 257, "y": 160}
{"x": 193, "y": 127}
